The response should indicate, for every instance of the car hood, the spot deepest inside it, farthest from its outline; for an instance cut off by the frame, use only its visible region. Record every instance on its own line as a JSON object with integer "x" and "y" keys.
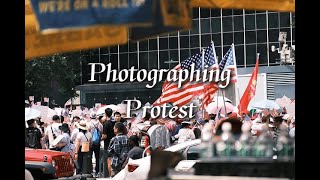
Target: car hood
{"x": 40, "y": 154}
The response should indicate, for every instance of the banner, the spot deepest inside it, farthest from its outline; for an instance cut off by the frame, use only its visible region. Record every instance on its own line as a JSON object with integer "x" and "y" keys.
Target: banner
{"x": 170, "y": 16}
{"x": 37, "y": 44}
{"x": 56, "y": 14}
{"x": 271, "y": 5}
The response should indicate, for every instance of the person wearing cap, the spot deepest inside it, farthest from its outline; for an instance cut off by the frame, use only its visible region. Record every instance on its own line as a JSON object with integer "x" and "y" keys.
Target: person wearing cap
{"x": 83, "y": 137}
{"x": 185, "y": 133}
{"x": 64, "y": 145}
{"x": 93, "y": 124}
{"x": 52, "y": 131}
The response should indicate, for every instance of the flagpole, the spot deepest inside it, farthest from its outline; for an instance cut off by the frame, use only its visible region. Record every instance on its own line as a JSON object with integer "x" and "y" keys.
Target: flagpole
{"x": 202, "y": 68}
{"x": 236, "y": 71}
{"x": 224, "y": 103}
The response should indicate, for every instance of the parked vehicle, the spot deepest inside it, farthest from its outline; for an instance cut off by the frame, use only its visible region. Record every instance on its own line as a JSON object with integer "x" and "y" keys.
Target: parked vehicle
{"x": 139, "y": 168}
{"x": 48, "y": 164}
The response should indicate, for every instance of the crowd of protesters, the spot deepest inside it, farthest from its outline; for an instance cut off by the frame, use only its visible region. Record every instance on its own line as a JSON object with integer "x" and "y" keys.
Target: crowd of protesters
{"x": 120, "y": 138}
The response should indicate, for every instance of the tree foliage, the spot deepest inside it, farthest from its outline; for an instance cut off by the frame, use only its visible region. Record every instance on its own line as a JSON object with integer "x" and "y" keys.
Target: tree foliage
{"x": 53, "y": 76}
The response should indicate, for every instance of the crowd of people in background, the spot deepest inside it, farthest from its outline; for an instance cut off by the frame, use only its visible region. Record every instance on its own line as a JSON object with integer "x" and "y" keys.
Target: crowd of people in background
{"x": 121, "y": 138}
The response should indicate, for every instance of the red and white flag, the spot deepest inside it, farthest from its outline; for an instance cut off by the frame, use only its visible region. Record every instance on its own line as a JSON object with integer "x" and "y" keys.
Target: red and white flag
{"x": 250, "y": 91}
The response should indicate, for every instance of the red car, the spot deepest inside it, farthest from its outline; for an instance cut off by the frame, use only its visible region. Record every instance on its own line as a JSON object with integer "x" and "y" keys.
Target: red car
{"x": 48, "y": 163}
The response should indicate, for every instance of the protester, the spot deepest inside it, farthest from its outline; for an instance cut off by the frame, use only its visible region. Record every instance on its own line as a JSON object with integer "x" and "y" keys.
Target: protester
{"x": 293, "y": 128}
{"x": 118, "y": 149}
{"x": 107, "y": 135}
{"x": 185, "y": 133}
{"x": 95, "y": 125}
{"x": 33, "y": 135}
{"x": 52, "y": 131}
{"x": 65, "y": 143}
{"x": 82, "y": 147}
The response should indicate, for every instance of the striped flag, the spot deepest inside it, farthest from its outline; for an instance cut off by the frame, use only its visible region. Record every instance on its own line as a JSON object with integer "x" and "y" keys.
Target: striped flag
{"x": 189, "y": 89}
{"x": 209, "y": 88}
{"x": 229, "y": 62}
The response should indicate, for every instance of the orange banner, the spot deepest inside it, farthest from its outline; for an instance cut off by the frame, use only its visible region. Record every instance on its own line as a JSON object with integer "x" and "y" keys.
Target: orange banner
{"x": 43, "y": 44}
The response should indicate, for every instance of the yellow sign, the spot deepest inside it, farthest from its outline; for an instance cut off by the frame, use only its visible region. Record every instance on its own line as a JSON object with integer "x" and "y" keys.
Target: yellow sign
{"x": 38, "y": 44}
{"x": 271, "y": 5}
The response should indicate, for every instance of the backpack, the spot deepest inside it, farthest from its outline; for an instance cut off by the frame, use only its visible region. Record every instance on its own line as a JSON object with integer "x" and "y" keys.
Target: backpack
{"x": 31, "y": 138}
{"x": 96, "y": 136}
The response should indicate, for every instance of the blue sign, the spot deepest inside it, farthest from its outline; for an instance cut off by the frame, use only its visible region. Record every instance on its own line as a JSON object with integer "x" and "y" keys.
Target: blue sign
{"x": 56, "y": 14}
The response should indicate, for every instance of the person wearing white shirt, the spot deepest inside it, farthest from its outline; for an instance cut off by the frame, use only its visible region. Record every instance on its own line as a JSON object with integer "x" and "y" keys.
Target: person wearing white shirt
{"x": 185, "y": 133}
{"x": 52, "y": 131}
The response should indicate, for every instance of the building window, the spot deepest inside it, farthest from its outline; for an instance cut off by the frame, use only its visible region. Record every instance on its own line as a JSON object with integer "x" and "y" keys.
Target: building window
{"x": 163, "y": 57}
{"x": 250, "y": 22}
{"x": 238, "y": 23}
{"x": 262, "y": 49}
{"x": 194, "y": 41}
{"x": 124, "y": 61}
{"x": 273, "y": 35}
{"x": 216, "y": 25}
{"x": 173, "y": 55}
{"x": 184, "y": 32}
{"x": 133, "y": 60}
{"x": 238, "y": 38}
{"x": 153, "y": 60}
{"x": 261, "y": 36}
{"x": 143, "y": 45}
{"x": 273, "y": 20}
{"x": 284, "y": 19}
{"x": 114, "y": 49}
{"x": 123, "y": 48}
{"x": 163, "y": 43}
{"x": 261, "y": 21}
{"x": 204, "y": 12}
{"x": 104, "y": 58}
{"x": 226, "y": 12}
{"x": 195, "y": 27}
{"x": 184, "y": 41}
{"x": 205, "y": 26}
{"x": 251, "y": 54}
{"x": 216, "y": 38}
{"x": 250, "y": 37}
{"x": 144, "y": 61}
{"x": 227, "y": 24}
{"x": 215, "y": 12}
{"x": 184, "y": 54}
{"x": 227, "y": 39}
{"x": 239, "y": 55}
{"x": 132, "y": 46}
{"x": 205, "y": 40}
{"x": 114, "y": 61}
{"x": 173, "y": 43}
{"x": 237, "y": 12}
{"x": 153, "y": 44}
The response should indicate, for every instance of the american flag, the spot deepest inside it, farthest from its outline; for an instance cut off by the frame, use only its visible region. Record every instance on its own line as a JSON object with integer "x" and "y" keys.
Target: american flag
{"x": 209, "y": 88}
{"x": 229, "y": 62}
{"x": 189, "y": 89}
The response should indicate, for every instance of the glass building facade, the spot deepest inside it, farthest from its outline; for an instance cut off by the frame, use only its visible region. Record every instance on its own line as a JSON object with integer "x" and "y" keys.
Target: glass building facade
{"x": 251, "y": 32}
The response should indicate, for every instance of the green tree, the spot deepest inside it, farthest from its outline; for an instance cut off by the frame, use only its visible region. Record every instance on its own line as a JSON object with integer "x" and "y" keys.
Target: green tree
{"x": 53, "y": 76}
